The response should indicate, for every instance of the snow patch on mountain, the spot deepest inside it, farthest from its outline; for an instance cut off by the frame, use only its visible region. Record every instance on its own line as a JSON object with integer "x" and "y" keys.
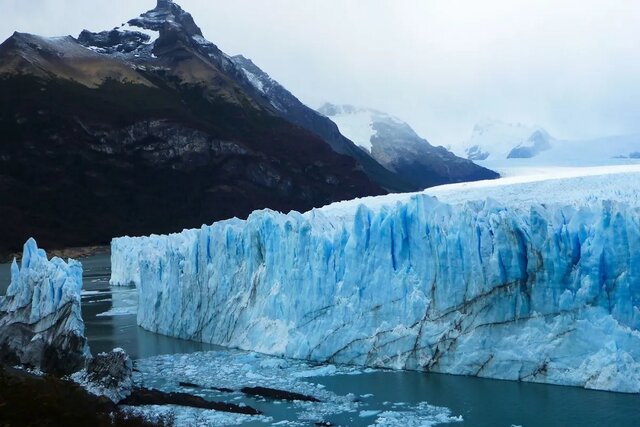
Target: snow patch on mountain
{"x": 153, "y": 35}
{"x": 356, "y": 123}
{"x": 254, "y": 80}
{"x": 358, "y": 127}
{"x": 397, "y": 147}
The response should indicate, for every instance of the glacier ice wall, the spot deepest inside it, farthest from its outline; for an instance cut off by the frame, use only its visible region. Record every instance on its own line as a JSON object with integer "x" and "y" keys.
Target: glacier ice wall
{"x": 40, "y": 319}
{"x": 535, "y": 292}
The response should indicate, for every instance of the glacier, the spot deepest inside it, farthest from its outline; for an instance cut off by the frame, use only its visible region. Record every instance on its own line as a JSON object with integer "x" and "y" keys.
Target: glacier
{"x": 533, "y": 281}
{"x": 40, "y": 318}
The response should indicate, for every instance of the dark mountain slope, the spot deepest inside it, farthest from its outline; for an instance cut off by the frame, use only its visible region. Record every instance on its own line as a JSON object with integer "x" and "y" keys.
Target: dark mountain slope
{"x": 150, "y": 128}
{"x": 81, "y": 161}
{"x": 396, "y": 146}
{"x": 290, "y": 108}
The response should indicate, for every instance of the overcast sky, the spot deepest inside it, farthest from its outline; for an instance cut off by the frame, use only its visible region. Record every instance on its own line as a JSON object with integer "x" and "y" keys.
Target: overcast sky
{"x": 572, "y": 66}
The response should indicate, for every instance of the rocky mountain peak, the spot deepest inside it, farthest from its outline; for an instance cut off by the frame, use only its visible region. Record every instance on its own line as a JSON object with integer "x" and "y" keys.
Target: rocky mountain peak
{"x": 167, "y": 15}
{"x": 165, "y": 30}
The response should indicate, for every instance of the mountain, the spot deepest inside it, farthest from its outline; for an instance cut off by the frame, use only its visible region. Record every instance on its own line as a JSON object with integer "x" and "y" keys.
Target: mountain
{"x": 395, "y": 145}
{"x": 147, "y": 128}
{"x": 137, "y": 40}
{"x": 291, "y": 109}
{"x": 500, "y": 145}
{"x": 493, "y": 140}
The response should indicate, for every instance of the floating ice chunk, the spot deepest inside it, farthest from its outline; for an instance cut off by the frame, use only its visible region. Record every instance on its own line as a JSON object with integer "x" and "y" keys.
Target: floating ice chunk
{"x": 236, "y": 369}
{"x": 184, "y": 416}
{"x": 423, "y": 415}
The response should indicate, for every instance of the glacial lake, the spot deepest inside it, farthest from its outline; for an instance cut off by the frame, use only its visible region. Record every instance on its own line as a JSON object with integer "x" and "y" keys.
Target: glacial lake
{"x": 480, "y": 402}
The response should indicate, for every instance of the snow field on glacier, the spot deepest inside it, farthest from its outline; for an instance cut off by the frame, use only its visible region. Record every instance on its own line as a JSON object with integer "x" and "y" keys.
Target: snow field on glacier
{"x": 526, "y": 278}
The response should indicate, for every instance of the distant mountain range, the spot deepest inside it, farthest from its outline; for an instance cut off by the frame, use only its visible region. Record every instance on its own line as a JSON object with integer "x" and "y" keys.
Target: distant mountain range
{"x": 493, "y": 139}
{"x": 495, "y": 143}
{"x": 149, "y": 128}
{"x": 396, "y": 146}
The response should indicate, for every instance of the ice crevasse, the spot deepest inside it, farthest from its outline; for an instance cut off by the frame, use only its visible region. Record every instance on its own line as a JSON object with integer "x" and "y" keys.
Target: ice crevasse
{"x": 539, "y": 288}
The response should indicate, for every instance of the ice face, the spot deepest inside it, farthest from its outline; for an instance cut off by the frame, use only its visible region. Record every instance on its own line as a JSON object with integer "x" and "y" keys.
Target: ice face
{"x": 537, "y": 290}
{"x": 40, "y": 319}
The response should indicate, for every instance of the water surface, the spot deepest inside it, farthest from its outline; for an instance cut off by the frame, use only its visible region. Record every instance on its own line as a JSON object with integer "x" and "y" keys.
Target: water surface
{"x": 481, "y": 402}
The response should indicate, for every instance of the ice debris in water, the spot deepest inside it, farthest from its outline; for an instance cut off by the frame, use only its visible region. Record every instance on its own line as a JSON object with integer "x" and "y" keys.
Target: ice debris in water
{"x": 231, "y": 370}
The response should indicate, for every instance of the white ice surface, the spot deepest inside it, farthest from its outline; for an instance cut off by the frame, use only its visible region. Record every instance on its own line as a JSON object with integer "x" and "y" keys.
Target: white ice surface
{"x": 522, "y": 187}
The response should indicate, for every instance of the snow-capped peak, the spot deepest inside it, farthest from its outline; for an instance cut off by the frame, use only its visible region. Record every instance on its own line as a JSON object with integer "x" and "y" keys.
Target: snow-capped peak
{"x": 500, "y": 140}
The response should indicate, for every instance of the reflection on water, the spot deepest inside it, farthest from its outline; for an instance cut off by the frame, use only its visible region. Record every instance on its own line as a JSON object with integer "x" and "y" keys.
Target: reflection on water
{"x": 481, "y": 402}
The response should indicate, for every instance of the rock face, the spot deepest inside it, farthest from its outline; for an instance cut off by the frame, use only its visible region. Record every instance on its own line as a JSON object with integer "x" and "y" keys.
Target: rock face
{"x": 108, "y": 374}
{"x": 396, "y": 146}
{"x": 531, "y": 288}
{"x": 40, "y": 320}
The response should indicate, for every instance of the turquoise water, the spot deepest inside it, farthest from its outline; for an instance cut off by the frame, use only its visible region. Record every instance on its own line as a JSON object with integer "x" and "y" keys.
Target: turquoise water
{"x": 484, "y": 402}
{"x": 481, "y": 402}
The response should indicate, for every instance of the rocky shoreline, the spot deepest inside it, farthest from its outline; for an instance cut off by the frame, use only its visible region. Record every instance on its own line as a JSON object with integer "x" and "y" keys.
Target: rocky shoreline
{"x": 60, "y": 402}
